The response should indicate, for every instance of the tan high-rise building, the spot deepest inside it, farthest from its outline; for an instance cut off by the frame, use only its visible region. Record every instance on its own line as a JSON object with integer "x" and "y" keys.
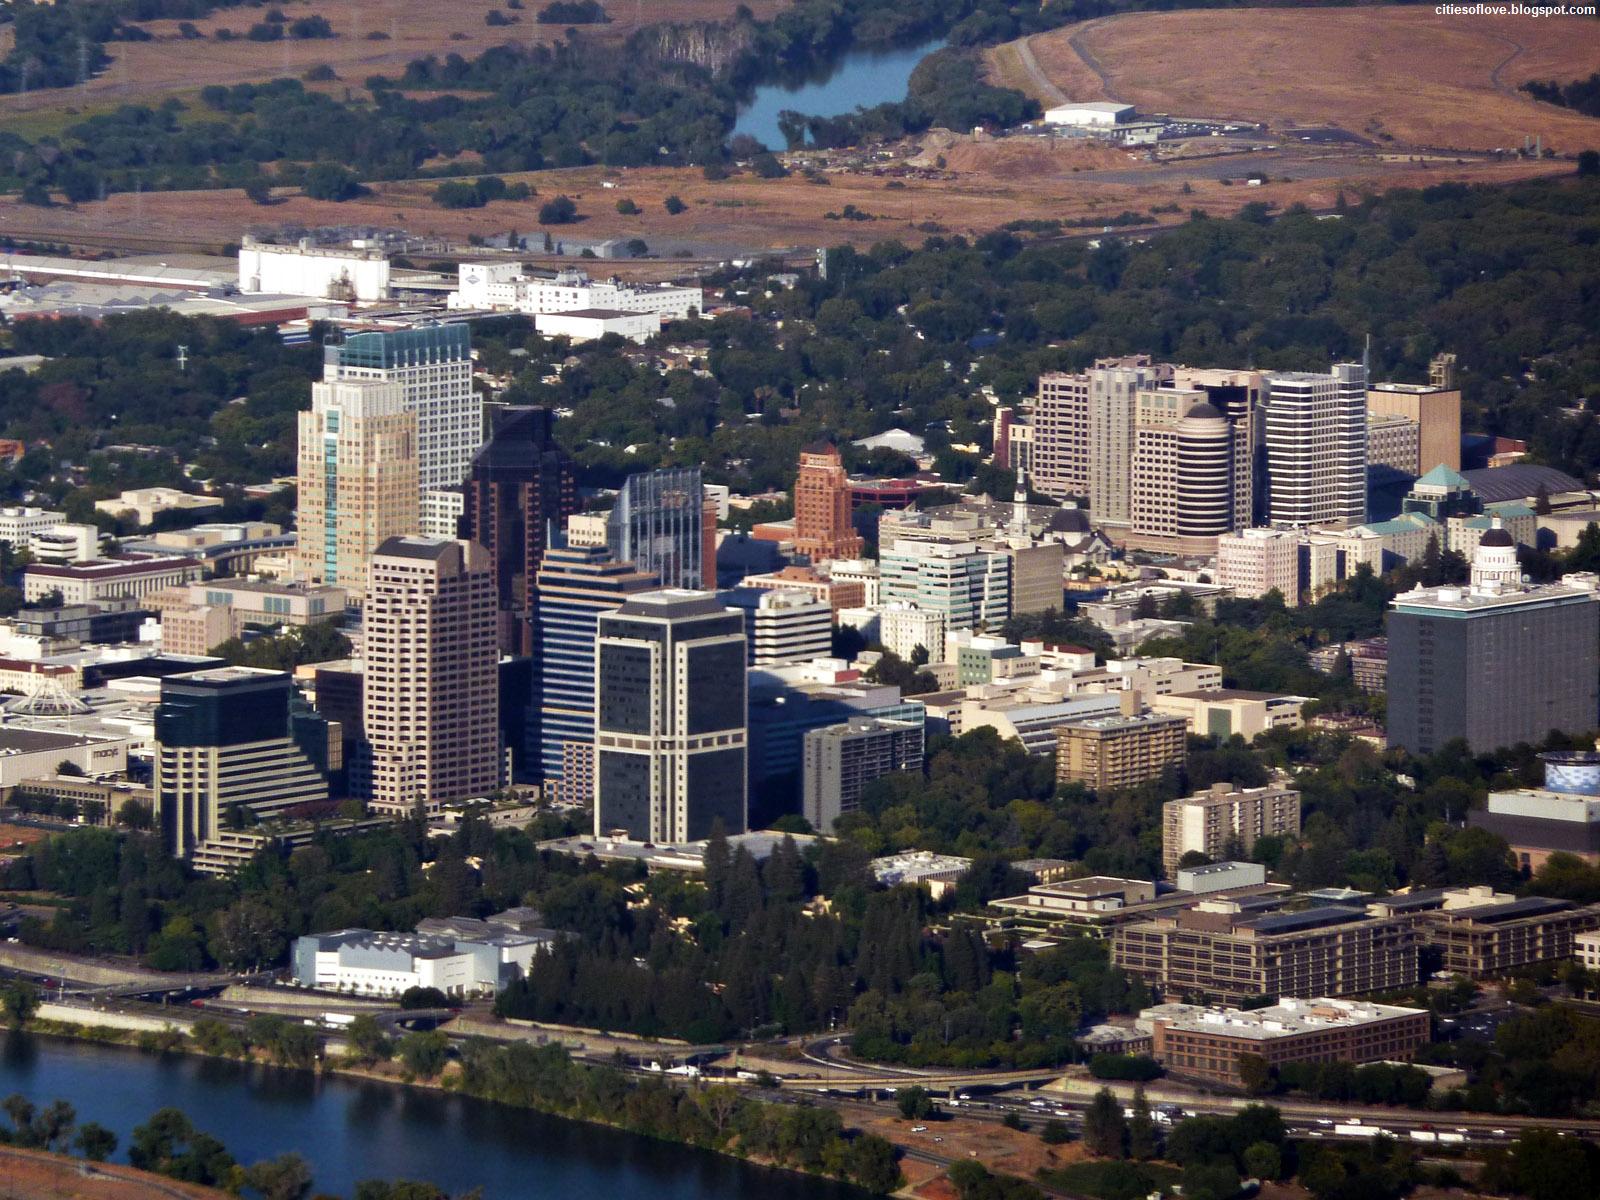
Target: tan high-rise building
{"x": 1059, "y": 419}
{"x": 1435, "y": 410}
{"x": 1191, "y": 472}
{"x": 430, "y": 703}
{"x": 1207, "y": 822}
{"x": 1121, "y": 750}
{"x": 357, "y": 478}
{"x": 822, "y": 526}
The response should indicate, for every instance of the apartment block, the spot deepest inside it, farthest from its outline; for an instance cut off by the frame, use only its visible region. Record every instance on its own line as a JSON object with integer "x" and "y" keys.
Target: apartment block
{"x": 1208, "y": 822}
{"x": 840, "y": 760}
{"x": 1122, "y": 750}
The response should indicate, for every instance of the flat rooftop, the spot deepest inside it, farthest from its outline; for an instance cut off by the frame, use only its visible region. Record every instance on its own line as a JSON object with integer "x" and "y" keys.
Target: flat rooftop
{"x": 1285, "y": 1019}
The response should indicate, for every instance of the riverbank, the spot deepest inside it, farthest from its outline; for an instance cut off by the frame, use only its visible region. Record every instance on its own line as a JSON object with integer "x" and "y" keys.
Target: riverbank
{"x": 798, "y": 1141}
{"x": 40, "y": 1175}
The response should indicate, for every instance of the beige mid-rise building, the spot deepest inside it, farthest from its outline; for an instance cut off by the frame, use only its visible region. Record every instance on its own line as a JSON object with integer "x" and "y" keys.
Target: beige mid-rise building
{"x": 430, "y": 703}
{"x": 1434, "y": 410}
{"x": 357, "y": 477}
{"x": 1120, "y": 750}
{"x": 1253, "y": 562}
{"x": 1207, "y": 822}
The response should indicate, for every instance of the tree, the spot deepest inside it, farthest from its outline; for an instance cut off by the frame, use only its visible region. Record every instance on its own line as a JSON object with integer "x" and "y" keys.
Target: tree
{"x": 1255, "y": 1073}
{"x": 20, "y": 1001}
{"x": 95, "y": 1142}
{"x": 368, "y": 1041}
{"x": 66, "y": 767}
{"x": 423, "y": 997}
{"x": 1104, "y": 1127}
{"x": 627, "y": 207}
{"x": 1589, "y": 163}
{"x": 1056, "y": 1133}
{"x": 673, "y": 205}
{"x": 329, "y": 181}
{"x": 1263, "y": 1160}
{"x": 914, "y": 1103}
{"x": 873, "y": 1164}
{"x": 559, "y": 210}
{"x": 247, "y": 934}
{"x": 425, "y": 1054}
{"x": 287, "y": 1177}
{"x": 1143, "y": 1140}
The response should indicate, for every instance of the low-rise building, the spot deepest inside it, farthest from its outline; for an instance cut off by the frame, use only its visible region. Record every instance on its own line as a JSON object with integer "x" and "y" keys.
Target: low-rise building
{"x": 368, "y": 963}
{"x": 108, "y": 578}
{"x": 1216, "y": 951}
{"x": 1208, "y": 1043}
{"x": 938, "y": 872}
{"x": 1220, "y": 877}
{"x": 147, "y": 503}
{"x": 1227, "y": 711}
{"x": 591, "y": 324}
{"x": 18, "y": 524}
{"x": 1368, "y": 660}
{"x": 1482, "y": 933}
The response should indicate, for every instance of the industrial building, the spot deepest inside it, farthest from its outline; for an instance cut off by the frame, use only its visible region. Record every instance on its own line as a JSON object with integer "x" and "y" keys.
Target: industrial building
{"x": 592, "y": 324}
{"x": 1089, "y": 114}
{"x": 304, "y": 269}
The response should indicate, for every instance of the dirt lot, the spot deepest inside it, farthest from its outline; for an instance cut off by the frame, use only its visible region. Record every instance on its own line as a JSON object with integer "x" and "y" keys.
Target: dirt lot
{"x": 15, "y": 837}
{"x": 1421, "y": 79}
{"x": 142, "y": 71}
{"x": 34, "y": 1175}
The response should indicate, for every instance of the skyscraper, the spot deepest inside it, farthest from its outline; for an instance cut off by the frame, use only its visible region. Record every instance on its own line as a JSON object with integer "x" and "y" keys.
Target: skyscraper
{"x": 822, "y": 528}
{"x": 1315, "y": 430}
{"x": 226, "y": 757}
{"x": 670, "y": 718}
{"x": 1058, "y": 417}
{"x": 433, "y": 366}
{"x": 1190, "y": 472}
{"x": 430, "y": 700}
{"x": 1434, "y": 408}
{"x": 658, "y": 524}
{"x": 357, "y": 478}
{"x": 1113, "y": 386}
{"x": 1495, "y": 663}
{"x": 575, "y": 585}
{"x": 520, "y": 485}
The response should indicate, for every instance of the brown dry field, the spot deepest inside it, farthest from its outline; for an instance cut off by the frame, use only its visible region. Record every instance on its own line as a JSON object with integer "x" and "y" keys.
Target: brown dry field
{"x": 142, "y": 71}
{"x": 35, "y": 1175}
{"x": 1423, "y": 79}
{"x": 771, "y": 214}
{"x": 20, "y": 835}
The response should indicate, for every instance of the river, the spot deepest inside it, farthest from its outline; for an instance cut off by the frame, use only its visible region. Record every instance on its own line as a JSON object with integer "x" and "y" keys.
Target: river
{"x": 351, "y": 1129}
{"x": 861, "y": 79}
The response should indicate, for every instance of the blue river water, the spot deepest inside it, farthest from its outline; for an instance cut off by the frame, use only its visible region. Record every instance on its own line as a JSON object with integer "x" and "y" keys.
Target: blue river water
{"x": 862, "y": 79}
{"x": 350, "y": 1130}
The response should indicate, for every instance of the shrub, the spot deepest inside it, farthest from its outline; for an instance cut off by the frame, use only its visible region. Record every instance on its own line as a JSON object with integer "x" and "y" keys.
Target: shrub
{"x": 573, "y": 12}
{"x": 627, "y": 207}
{"x": 329, "y": 181}
{"x": 559, "y": 211}
{"x": 309, "y": 28}
{"x": 673, "y": 205}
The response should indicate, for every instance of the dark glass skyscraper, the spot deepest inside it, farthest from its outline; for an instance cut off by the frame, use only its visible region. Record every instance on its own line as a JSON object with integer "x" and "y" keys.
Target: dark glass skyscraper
{"x": 519, "y": 487}
{"x": 670, "y": 718}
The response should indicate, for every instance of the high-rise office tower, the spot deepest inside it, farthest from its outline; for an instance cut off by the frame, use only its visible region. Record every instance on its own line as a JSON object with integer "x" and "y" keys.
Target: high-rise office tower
{"x": 520, "y": 486}
{"x": 822, "y": 528}
{"x": 1434, "y": 408}
{"x": 1315, "y": 430}
{"x": 430, "y": 700}
{"x": 671, "y": 723}
{"x": 357, "y": 478}
{"x": 433, "y": 366}
{"x": 1191, "y": 476}
{"x": 966, "y": 583}
{"x": 1495, "y": 663}
{"x": 1114, "y": 385}
{"x": 658, "y": 524}
{"x": 226, "y": 756}
{"x": 575, "y": 585}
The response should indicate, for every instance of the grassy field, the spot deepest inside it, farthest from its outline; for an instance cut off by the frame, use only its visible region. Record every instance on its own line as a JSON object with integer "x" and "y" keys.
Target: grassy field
{"x": 1386, "y": 73}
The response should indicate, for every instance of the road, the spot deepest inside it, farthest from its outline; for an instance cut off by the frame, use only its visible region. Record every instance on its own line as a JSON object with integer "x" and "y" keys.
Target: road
{"x": 1049, "y": 93}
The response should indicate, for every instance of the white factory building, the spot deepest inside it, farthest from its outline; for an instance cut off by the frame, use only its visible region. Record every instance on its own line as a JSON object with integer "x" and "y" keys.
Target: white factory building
{"x": 1089, "y": 114}
{"x": 591, "y": 324}
{"x": 331, "y": 272}
{"x": 507, "y": 286}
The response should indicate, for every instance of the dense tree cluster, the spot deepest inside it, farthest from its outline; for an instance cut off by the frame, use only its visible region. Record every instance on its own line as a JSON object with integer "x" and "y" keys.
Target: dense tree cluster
{"x": 1583, "y": 95}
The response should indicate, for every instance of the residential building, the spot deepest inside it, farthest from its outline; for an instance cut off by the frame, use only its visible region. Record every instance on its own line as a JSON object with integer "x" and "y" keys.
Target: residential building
{"x": 1225, "y": 820}
{"x": 1434, "y": 410}
{"x": 1367, "y": 659}
{"x": 782, "y": 626}
{"x": 430, "y": 699}
{"x": 433, "y": 366}
{"x": 362, "y": 962}
{"x": 1495, "y": 663}
{"x": 658, "y": 524}
{"x": 1315, "y": 434}
{"x": 1228, "y": 711}
{"x": 1113, "y": 388}
{"x": 822, "y": 528}
{"x": 227, "y": 756}
{"x": 966, "y": 584}
{"x": 902, "y": 627}
{"x": 1208, "y": 1043}
{"x": 670, "y": 718}
{"x": 1214, "y": 950}
{"x": 1123, "y": 750}
{"x": 357, "y": 479}
{"x": 840, "y": 760}
{"x": 520, "y": 487}
{"x": 1058, "y": 418}
{"x": 110, "y": 578}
